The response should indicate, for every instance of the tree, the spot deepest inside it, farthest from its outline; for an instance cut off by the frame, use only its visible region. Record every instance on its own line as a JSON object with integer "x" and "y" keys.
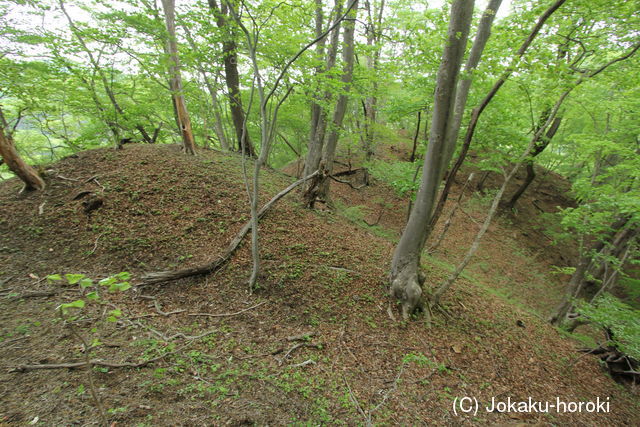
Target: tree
{"x": 406, "y": 279}
{"x": 478, "y": 110}
{"x": 103, "y": 78}
{"x": 229, "y": 51}
{"x": 175, "y": 81}
{"x": 318, "y": 188}
{"x": 28, "y": 175}
{"x": 374, "y": 33}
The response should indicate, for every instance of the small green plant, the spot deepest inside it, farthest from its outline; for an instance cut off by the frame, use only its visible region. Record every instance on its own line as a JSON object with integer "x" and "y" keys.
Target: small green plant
{"x": 72, "y": 311}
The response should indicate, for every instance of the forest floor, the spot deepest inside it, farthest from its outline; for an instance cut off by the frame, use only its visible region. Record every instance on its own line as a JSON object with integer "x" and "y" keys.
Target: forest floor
{"x": 324, "y": 277}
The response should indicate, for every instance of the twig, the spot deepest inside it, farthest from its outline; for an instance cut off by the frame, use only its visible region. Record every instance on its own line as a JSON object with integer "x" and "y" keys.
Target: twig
{"x": 227, "y": 314}
{"x": 305, "y": 363}
{"x": 304, "y": 336}
{"x": 95, "y": 246}
{"x": 355, "y": 401}
{"x": 347, "y": 182}
{"x": 36, "y": 294}
{"x": 291, "y": 350}
{"x": 41, "y": 208}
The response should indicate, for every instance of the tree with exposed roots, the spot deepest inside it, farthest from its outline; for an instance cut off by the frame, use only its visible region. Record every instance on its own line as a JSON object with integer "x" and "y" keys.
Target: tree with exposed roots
{"x": 406, "y": 280}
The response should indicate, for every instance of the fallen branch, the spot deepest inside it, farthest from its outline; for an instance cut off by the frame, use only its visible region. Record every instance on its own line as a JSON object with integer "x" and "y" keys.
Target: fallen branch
{"x": 305, "y": 363}
{"x": 333, "y": 177}
{"x": 166, "y": 276}
{"x": 36, "y": 294}
{"x": 302, "y": 337}
{"x": 93, "y": 362}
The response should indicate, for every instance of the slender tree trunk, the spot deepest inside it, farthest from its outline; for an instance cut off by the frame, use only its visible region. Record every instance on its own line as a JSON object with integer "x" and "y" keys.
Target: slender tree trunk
{"x": 406, "y": 282}
{"x": 232, "y": 78}
{"x": 213, "y": 93}
{"x": 374, "y": 34}
{"x": 477, "y": 112}
{"x": 317, "y": 138}
{"x": 531, "y": 173}
{"x": 320, "y": 51}
{"x": 348, "y": 56}
{"x": 464, "y": 85}
{"x": 15, "y": 163}
{"x": 577, "y": 278}
{"x": 175, "y": 82}
{"x": 412, "y": 158}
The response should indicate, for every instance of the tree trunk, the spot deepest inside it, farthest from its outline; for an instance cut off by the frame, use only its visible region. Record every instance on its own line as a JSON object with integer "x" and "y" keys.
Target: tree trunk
{"x": 405, "y": 279}
{"x": 232, "y": 78}
{"x": 348, "y": 56}
{"x": 374, "y": 34}
{"x": 315, "y": 107}
{"x": 464, "y": 85}
{"x": 213, "y": 93}
{"x": 531, "y": 173}
{"x": 577, "y": 278}
{"x": 412, "y": 158}
{"x": 175, "y": 82}
{"x": 318, "y": 133}
{"x": 15, "y": 163}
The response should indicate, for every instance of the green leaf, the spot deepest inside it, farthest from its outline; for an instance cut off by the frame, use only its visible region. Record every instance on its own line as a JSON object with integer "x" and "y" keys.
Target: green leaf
{"x": 92, "y": 296}
{"x": 108, "y": 281}
{"x": 54, "y": 277}
{"x": 66, "y": 307}
{"x": 124, "y": 286}
{"x": 123, "y": 276}
{"x": 86, "y": 282}
{"x": 74, "y": 278}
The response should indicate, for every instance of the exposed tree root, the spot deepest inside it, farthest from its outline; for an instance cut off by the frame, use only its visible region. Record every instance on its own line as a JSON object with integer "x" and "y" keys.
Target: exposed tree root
{"x": 166, "y": 276}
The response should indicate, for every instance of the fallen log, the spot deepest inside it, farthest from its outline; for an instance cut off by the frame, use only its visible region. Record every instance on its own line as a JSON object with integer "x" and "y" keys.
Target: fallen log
{"x": 212, "y": 266}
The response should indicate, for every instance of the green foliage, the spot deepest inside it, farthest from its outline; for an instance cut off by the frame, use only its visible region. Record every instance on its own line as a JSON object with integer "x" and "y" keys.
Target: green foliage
{"x": 116, "y": 283}
{"x": 623, "y": 321}
{"x": 397, "y": 174}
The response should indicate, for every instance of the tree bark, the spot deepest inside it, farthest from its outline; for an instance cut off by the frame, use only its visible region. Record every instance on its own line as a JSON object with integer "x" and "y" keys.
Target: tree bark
{"x": 175, "y": 82}
{"x": 405, "y": 279}
{"x": 232, "y": 77}
{"x": 464, "y": 85}
{"x": 320, "y": 50}
{"x": 15, "y": 163}
{"x": 412, "y": 158}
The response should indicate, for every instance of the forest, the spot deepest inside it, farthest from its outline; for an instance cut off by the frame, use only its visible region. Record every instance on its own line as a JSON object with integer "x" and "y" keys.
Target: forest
{"x": 351, "y": 212}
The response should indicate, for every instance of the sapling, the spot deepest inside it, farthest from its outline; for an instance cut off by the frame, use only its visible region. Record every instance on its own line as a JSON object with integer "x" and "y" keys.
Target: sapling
{"x": 72, "y": 311}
